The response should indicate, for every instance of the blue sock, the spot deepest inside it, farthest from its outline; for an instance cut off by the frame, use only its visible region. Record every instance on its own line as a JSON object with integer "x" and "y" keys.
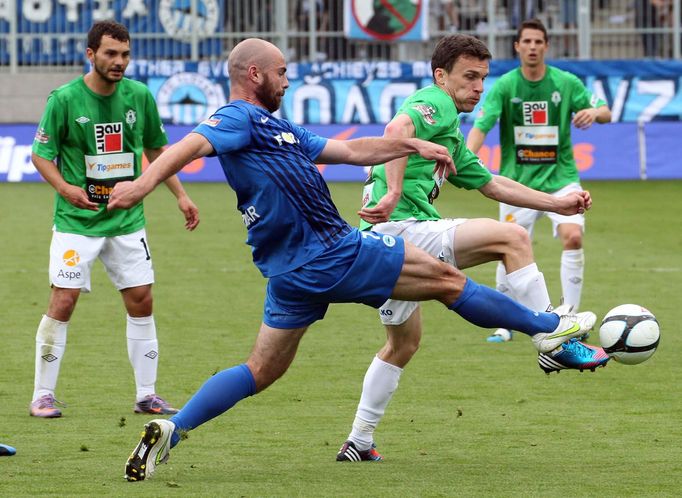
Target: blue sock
{"x": 218, "y": 394}
{"x": 489, "y": 309}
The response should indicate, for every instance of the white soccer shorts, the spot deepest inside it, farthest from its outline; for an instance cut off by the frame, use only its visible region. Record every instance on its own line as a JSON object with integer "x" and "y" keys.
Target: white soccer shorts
{"x": 126, "y": 258}
{"x": 527, "y": 217}
{"x": 435, "y": 237}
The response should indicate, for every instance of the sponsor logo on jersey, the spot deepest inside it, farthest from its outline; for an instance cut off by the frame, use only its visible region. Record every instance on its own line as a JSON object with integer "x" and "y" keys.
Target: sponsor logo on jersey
{"x": 427, "y": 113}
{"x": 287, "y": 137}
{"x": 71, "y": 257}
{"x": 110, "y": 166}
{"x": 82, "y": 120}
{"x": 211, "y": 122}
{"x": 535, "y": 113}
{"x": 264, "y": 119}
{"x": 41, "y": 137}
{"x": 131, "y": 118}
{"x": 536, "y": 135}
{"x": 109, "y": 137}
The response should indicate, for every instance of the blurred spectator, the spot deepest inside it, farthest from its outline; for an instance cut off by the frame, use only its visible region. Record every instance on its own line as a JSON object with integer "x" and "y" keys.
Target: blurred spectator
{"x": 303, "y": 16}
{"x": 650, "y": 14}
{"x": 569, "y": 20}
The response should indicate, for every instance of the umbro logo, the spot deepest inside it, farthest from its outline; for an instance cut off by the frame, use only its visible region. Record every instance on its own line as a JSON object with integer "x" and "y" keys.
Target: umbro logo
{"x": 264, "y": 119}
{"x": 82, "y": 120}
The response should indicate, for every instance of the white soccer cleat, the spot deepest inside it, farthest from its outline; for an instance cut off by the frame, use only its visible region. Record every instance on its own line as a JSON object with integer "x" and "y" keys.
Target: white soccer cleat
{"x": 152, "y": 450}
{"x": 569, "y": 326}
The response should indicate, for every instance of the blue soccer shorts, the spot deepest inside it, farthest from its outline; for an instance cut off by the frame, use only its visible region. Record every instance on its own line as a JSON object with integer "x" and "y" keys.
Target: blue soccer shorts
{"x": 362, "y": 267}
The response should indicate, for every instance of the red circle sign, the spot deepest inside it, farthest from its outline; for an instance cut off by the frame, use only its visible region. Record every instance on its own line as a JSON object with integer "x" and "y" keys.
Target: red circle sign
{"x": 391, "y": 19}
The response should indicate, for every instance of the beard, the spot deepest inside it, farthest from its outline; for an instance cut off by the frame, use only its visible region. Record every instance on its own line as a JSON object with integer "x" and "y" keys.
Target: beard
{"x": 268, "y": 95}
{"x": 103, "y": 72}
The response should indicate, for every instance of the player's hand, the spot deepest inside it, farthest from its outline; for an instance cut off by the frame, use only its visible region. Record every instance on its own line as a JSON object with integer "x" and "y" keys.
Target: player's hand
{"x": 574, "y": 203}
{"x": 124, "y": 195}
{"x": 191, "y": 212}
{"x": 382, "y": 211}
{"x": 444, "y": 163}
{"x": 585, "y": 118}
{"x": 79, "y": 198}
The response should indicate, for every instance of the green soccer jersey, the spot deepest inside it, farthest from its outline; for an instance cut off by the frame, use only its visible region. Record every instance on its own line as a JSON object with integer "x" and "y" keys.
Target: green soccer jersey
{"x": 435, "y": 119}
{"x": 535, "y": 126}
{"x": 98, "y": 141}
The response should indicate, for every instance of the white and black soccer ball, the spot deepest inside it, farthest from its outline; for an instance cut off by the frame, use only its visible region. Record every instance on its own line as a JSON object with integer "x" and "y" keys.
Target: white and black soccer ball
{"x": 629, "y": 334}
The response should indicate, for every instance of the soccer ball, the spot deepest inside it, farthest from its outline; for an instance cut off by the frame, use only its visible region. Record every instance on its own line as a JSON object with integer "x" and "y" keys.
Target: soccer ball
{"x": 629, "y": 334}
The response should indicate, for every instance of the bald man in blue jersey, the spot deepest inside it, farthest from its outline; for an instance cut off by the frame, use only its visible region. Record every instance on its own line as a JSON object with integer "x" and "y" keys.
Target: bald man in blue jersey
{"x": 309, "y": 254}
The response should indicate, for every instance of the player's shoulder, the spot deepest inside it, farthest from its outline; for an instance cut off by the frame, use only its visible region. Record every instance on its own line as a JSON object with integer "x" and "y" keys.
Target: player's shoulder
{"x": 562, "y": 75}
{"x": 133, "y": 85}
{"x": 69, "y": 90}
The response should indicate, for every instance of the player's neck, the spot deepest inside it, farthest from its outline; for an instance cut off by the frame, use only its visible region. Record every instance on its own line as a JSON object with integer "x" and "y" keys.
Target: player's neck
{"x": 99, "y": 85}
{"x": 534, "y": 73}
{"x": 238, "y": 94}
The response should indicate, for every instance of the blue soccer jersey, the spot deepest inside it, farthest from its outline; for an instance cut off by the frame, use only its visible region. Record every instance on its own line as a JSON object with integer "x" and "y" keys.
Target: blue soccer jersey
{"x": 285, "y": 203}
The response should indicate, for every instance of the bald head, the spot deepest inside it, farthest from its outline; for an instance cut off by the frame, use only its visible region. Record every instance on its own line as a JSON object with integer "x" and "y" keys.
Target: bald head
{"x": 251, "y": 52}
{"x": 257, "y": 73}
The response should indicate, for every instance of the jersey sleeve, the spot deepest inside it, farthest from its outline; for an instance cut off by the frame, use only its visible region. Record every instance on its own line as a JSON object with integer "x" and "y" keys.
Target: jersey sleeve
{"x": 491, "y": 109}
{"x": 471, "y": 172}
{"x": 426, "y": 119}
{"x": 311, "y": 143}
{"x": 48, "y": 137}
{"x": 154, "y": 134}
{"x": 582, "y": 97}
{"x": 227, "y": 130}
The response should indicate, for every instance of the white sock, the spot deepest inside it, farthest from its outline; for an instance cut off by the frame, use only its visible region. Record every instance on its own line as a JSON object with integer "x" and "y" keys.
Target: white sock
{"x": 381, "y": 381}
{"x": 143, "y": 352}
{"x": 501, "y": 282}
{"x": 50, "y": 345}
{"x": 572, "y": 268}
{"x": 529, "y": 288}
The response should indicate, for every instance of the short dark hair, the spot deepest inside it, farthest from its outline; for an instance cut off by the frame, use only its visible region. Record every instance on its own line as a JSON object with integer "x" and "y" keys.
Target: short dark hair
{"x": 532, "y": 24}
{"x": 452, "y": 47}
{"x": 109, "y": 28}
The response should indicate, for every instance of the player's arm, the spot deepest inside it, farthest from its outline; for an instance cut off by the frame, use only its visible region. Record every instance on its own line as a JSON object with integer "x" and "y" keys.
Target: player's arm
{"x": 172, "y": 160}
{"x": 368, "y": 151}
{"x": 506, "y": 190}
{"x": 185, "y": 204}
{"x": 73, "y": 194}
{"x": 584, "y": 118}
{"x": 475, "y": 139}
{"x": 400, "y": 127}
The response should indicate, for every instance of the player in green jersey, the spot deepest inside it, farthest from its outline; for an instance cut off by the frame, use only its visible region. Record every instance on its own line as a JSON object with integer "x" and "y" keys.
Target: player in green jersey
{"x": 97, "y": 127}
{"x": 536, "y": 104}
{"x": 398, "y": 200}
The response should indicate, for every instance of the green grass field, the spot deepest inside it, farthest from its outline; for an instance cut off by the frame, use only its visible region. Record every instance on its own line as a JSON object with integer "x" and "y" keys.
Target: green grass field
{"x": 469, "y": 419}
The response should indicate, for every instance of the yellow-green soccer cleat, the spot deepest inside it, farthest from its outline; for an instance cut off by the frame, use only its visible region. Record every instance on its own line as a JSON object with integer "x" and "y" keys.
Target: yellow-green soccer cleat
{"x": 152, "y": 450}
{"x": 569, "y": 326}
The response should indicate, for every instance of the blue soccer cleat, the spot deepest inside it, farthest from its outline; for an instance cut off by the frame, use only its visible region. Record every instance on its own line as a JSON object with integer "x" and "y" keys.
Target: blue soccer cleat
{"x": 500, "y": 335}
{"x": 573, "y": 355}
{"x": 6, "y": 450}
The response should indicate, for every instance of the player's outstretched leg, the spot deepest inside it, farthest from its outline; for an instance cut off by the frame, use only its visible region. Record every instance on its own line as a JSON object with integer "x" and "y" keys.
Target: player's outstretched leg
{"x": 573, "y": 355}
{"x": 488, "y": 308}
{"x": 152, "y": 450}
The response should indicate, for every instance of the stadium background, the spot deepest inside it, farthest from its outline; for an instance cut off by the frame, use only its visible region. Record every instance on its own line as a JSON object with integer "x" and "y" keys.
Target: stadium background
{"x": 348, "y": 72}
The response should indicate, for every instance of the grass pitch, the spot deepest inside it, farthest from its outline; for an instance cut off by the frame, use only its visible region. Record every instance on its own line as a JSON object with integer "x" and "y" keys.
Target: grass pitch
{"x": 469, "y": 419}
